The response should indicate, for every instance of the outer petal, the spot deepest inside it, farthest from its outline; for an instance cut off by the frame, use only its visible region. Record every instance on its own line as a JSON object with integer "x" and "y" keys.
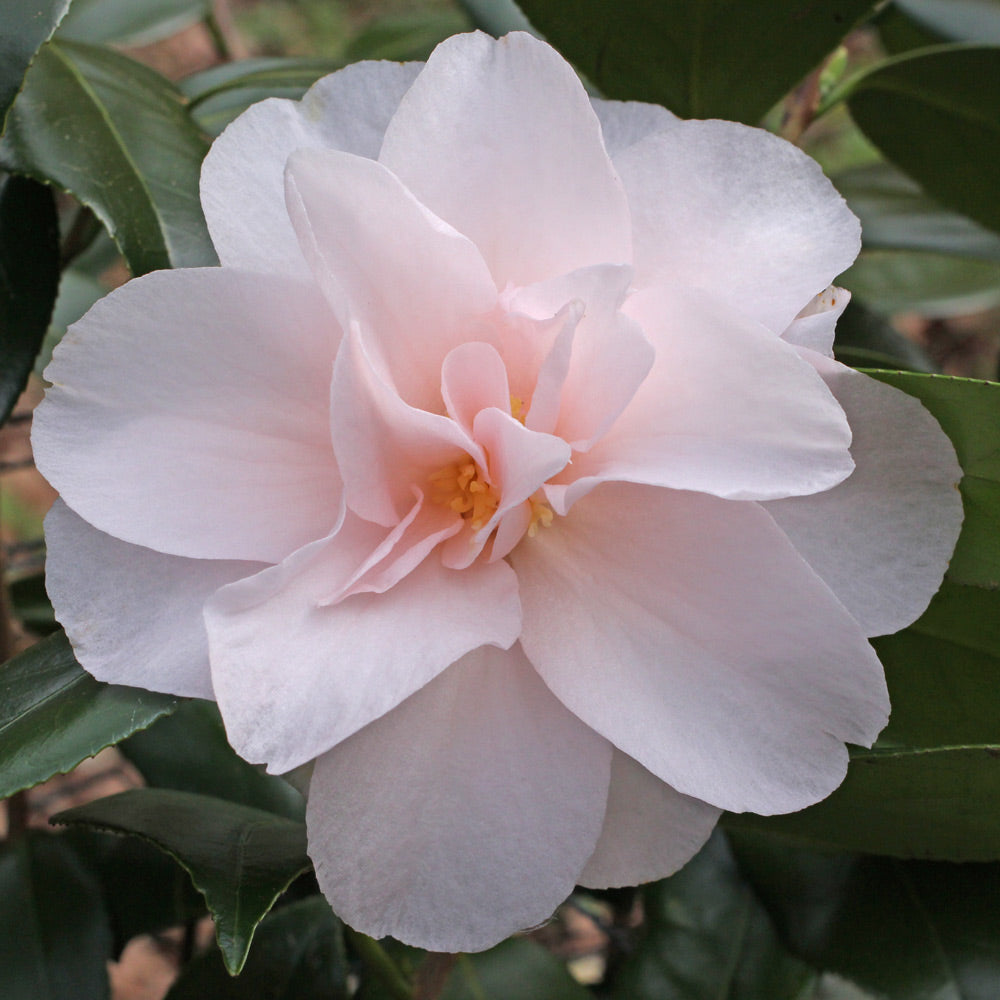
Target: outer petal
{"x": 133, "y": 615}
{"x": 417, "y": 287}
{"x": 739, "y": 212}
{"x": 688, "y": 631}
{"x": 881, "y": 540}
{"x": 624, "y": 123}
{"x": 649, "y": 829}
{"x": 527, "y": 180}
{"x": 815, "y": 326}
{"x": 342, "y": 665}
{"x": 190, "y": 413}
{"x": 464, "y": 815}
{"x": 727, "y": 409}
{"x": 243, "y": 176}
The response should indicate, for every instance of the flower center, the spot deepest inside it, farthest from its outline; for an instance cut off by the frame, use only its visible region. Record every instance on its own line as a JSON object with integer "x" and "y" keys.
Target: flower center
{"x": 461, "y": 487}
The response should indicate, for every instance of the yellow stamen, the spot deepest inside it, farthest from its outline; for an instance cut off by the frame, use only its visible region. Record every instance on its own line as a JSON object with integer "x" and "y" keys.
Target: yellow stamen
{"x": 541, "y": 516}
{"x": 517, "y": 408}
{"x": 462, "y": 488}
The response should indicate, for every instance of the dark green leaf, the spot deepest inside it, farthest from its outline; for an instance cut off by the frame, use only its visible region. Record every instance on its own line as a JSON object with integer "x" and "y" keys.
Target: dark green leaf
{"x": 54, "y": 936}
{"x": 935, "y": 114}
{"x": 189, "y": 752}
{"x": 866, "y": 340}
{"x": 29, "y": 278}
{"x": 708, "y": 936}
{"x": 969, "y": 413}
{"x": 912, "y": 930}
{"x": 909, "y": 802}
{"x": 118, "y": 137}
{"x": 701, "y": 58}
{"x": 496, "y": 16}
{"x": 144, "y": 890}
{"x": 518, "y": 969}
{"x": 405, "y": 37}
{"x": 32, "y": 606}
{"x": 908, "y": 24}
{"x": 129, "y": 23}
{"x": 298, "y": 954}
{"x": 240, "y": 859}
{"x": 27, "y": 25}
{"x": 219, "y": 94}
{"x": 53, "y": 714}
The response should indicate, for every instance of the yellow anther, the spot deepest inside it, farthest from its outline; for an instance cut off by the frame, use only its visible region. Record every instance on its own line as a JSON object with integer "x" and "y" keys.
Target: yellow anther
{"x": 517, "y": 408}
{"x": 461, "y": 488}
{"x": 541, "y": 516}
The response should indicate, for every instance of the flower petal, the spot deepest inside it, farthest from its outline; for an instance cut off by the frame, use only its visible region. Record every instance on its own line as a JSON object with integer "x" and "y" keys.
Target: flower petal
{"x": 134, "y": 616}
{"x": 473, "y": 377}
{"x": 727, "y": 409}
{"x": 416, "y": 286}
{"x": 464, "y": 815}
{"x": 243, "y": 176}
{"x": 527, "y": 180}
{"x": 739, "y": 212}
{"x": 881, "y": 540}
{"x": 816, "y": 324}
{"x": 649, "y": 831}
{"x": 624, "y": 123}
{"x": 352, "y": 661}
{"x": 687, "y": 631}
{"x": 189, "y": 413}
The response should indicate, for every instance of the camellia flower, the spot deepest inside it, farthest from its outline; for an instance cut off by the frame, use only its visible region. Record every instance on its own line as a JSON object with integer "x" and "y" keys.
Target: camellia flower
{"x": 502, "y": 471}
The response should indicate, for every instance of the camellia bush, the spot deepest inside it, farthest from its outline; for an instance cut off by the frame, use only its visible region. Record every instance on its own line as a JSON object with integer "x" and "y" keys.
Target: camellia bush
{"x": 498, "y": 503}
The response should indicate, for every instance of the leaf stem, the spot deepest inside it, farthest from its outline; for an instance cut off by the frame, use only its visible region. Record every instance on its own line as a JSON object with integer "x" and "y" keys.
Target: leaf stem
{"x": 381, "y": 966}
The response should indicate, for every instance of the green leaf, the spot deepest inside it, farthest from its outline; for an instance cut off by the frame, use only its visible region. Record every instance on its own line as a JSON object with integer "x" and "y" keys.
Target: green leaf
{"x": 908, "y": 24}
{"x": 240, "y": 859}
{"x": 298, "y": 954}
{"x": 934, "y": 113}
{"x": 188, "y": 751}
{"x": 865, "y": 339}
{"x": 496, "y": 16}
{"x": 518, "y": 969}
{"x": 78, "y": 291}
{"x": 701, "y": 58}
{"x": 54, "y": 936}
{"x": 969, "y": 413}
{"x": 29, "y": 278}
{"x": 908, "y": 802}
{"x": 129, "y": 23}
{"x": 907, "y": 930}
{"x": 708, "y": 936}
{"x": 53, "y": 714}
{"x": 27, "y": 25}
{"x": 404, "y": 38}
{"x": 221, "y": 93}
{"x": 117, "y": 136}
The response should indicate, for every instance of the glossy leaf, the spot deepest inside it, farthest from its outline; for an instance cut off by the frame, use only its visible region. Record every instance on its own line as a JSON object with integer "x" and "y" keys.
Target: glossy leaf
{"x": 969, "y": 412}
{"x": 497, "y": 16}
{"x": 298, "y": 954}
{"x": 935, "y": 114}
{"x": 908, "y": 24}
{"x": 29, "y": 278}
{"x": 189, "y": 752}
{"x": 912, "y": 930}
{"x": 118, "y": 137}
{"x": 240, "y": 859}
{"x": 129, "y": 23}
{"x": 708, "y": 936}
{"x": 53, "y": 714}
{"x": 27, "y": 25}
{"x": 701, "y": 58}
{"x": 54, "y": 935}
{"x": 518, "y": 969}
{"x": 221, "y": 93}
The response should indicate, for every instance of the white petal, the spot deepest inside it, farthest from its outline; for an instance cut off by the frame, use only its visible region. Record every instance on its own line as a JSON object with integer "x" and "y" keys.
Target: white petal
{"x": 687, "y": 631}
{"x": 815, "y": 326}
{"x": 243, "y": 176}
{"x": 624, "y": 123}
{"x": 294, "y": 676}
{"x": 881, "y": 540}
{"x": 526, "y": 179}
{"x": 739, "y": 212}
{"x": 727, "y": 409}
{"x": 649, "y": 831}
{"x": 189, "y": 413}
{"x": 133, "y": 615}
{"x": 464, "y": 815}
{"x": 415, "y": 285}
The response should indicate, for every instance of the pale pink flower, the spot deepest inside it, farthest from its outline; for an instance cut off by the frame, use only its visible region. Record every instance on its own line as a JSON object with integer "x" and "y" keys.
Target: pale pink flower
{"x": 503, "y": 471}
